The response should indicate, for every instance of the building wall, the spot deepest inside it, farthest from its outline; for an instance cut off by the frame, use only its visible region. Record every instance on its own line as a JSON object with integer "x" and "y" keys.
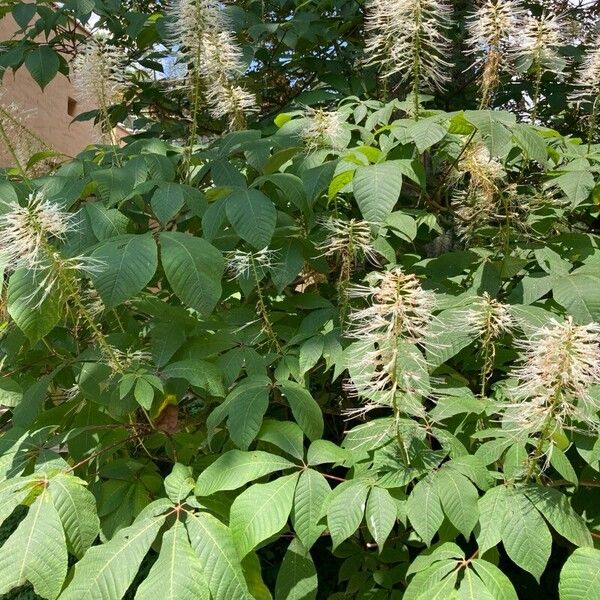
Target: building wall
{"x": 49, "y": 117}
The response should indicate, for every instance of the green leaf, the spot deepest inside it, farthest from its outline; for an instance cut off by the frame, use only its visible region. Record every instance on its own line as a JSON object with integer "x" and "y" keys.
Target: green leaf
{"x": 177, "y": 573}
{"x": 76, "y": 507}
{"x": 143, "y": 393}
{"x": 532, "y": 143}
{"x": 168, "y": 199}
{"x": 42, "y": 63}
{"x": 236, "y": 468}
{"x": 577, "y": 185}
{"x": 106, "y": 571}
{"x": 194, "y": 269}
{"x": 447, "y": 337}
{"x": 245, "y": 407}
{"x": 580, "y": 575}
{"x": 106, "y": 222}
{"x": 345, "y": 511}
{"x": 34, "y": 315}
{"x": 286, "y": 435}
{"x": 525, "y": 535}
{"x": 437, "y": 581}
{"x": 376, "y": 189}
{"x": 36, "y": 552}
{"x": 495, "y": 580}
{"x": 472, "y": 588}
{"x": 555, "y": 508}
{"x": 306, "y": 411}
{"x": 458, "y": 497}
{"x": 579, "y": 294}
{"x": 310, "y": 352}
{"x": 261, "y": 511}
{"x": 309, "y": 499}
{"x": 380, "y": 515}
{"x": 297, "y": 577}
{"x": 129, "y": 263}
{"x": 179, "y": 483}
{"x": 426, "y": 133}
{"x": 323, "y": 451}
{"x": 10, "y": 392}
{"x": 198, "y": 373}
{"x": 424, "y": 510}
{"x": 493, "y": 508}
{"x": 492, "y": 126}
{"x": 252, "y": 215}
{"x": 213, "y": 543}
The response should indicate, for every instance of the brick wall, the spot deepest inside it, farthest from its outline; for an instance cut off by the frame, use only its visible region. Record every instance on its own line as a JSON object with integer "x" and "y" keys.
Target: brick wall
{"x": 50, "y": 118}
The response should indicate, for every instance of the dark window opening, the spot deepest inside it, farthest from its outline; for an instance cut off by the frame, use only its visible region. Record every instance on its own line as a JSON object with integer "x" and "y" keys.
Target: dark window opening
{"x": 71, "y": 107}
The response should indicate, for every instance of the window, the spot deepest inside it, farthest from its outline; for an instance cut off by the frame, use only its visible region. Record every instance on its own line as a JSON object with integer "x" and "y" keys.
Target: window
{"x": 71, "y": 106}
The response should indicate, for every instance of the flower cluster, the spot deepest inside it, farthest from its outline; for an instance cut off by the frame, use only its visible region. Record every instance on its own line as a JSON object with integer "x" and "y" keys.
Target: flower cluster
{"x": 588, "y": 76}
{"x": 324, "y": 129}
{"x": 493, "y": 31}
{"x": 558, "y": 365}
{"x": 489, "y": 318}
{"x": 20, "y": 141}
{"x": 409, "y": 38}
{"x": 540, "y": 42}
{"x": 352, "y": 238}
{"x": 27, "y": 229}
{"x": 241, "y": 264}
{"x": 475, "y": 206}
{"x": 26, "y": 233}
{"x": 202, "y": 33}
{"x": 387, "y": 361}
{"x": 99, "y": 77}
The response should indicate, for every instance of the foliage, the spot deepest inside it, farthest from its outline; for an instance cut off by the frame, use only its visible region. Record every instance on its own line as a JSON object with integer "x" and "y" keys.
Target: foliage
{"x": 358, "y": 344}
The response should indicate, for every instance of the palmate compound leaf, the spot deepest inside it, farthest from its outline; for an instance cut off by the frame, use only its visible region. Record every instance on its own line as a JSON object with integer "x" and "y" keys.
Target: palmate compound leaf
{"x": 261, "y": 511}
{"x": 235, "y": 468}
{"x": 177, "y": 574}
{"x": 36, "y": 551}
{"x": 107, "y": 570}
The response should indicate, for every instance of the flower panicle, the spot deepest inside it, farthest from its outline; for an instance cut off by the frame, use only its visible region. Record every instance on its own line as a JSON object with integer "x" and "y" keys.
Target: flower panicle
{"x": 489, "y": 317}
{"x": 99, "y": 73}
{"x": 347, "y": 236}
{"x": 492, "y": 33}
{"x": 493, "y": 26}
{"x": 587, "y": 81}
{"x": 399, "y": 314}
{"x": 409, "y": 38}
{"x": 241, "y": 263}
{"x": 27, "y": 229}
{"x": 559, "y": 363}
{"x": 202, "y": 32}
{"x": 540, "y": 41}
{"x": 325, "y": 130}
